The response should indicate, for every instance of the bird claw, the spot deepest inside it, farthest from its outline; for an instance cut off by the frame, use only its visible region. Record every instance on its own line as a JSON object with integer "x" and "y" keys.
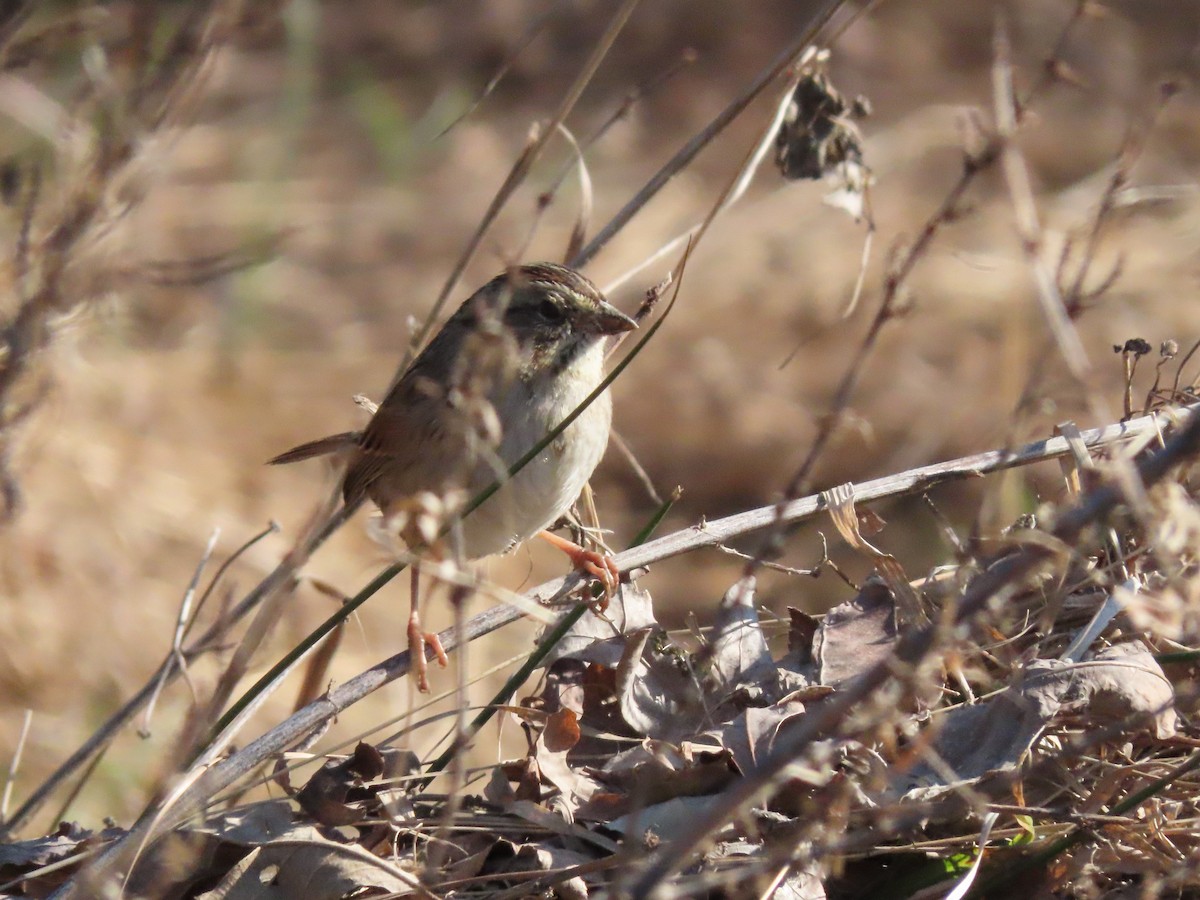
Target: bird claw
{"x": 592, "y": 562}
{"x": 418, "y": 640}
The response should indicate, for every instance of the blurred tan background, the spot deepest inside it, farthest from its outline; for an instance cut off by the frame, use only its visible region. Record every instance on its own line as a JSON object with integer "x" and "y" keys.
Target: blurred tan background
{"x": 324, "y": 124}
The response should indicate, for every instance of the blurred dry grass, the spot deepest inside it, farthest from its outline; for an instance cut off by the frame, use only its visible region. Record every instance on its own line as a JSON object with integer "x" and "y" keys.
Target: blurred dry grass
{"x": 166, "y": 401}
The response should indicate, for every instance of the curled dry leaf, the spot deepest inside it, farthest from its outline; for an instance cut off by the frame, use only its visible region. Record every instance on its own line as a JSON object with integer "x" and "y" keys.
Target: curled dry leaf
{"x": 18, "y": 858}
{"x": 752, "y": 734}
{"x": 667, "y": 821}
{"x": 252, "y": 824}
{"x": 644, "y": 778}
{"x": 550, "y": 750}
{"x": 601, "y": 639}
{"x": 340, "y": 793}
{"x": 1117, "y": 684}
{"x": 840, "y": 501}
{"x": 656, "y": 696}
{"x": 818, "y": 138}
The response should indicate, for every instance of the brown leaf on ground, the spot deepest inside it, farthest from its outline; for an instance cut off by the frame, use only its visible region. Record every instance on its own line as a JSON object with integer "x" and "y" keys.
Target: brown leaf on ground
{"x": 652, "y": 773}
{"x": 752, "y": 734}
{"x": 740, "y": 656}
{"x": 600, "y": 638}
{"x": 1122, "y": 683}
{"x": 550, "y": 750}
{"x": 336, "y": 793}
{"x": 656, "y": 697}
{"x": 1116, "y": 684}
{"x": 856, "y": 635}
{"x": 19, "y": 858}
{"x": 306, "y": 866}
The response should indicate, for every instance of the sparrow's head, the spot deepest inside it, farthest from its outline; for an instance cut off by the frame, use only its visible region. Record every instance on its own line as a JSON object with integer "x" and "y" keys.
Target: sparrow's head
{"x": 552, "y": 312}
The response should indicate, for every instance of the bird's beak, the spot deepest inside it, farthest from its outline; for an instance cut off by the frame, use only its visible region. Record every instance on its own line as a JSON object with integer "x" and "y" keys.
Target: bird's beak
{"x": 610, "y": 320}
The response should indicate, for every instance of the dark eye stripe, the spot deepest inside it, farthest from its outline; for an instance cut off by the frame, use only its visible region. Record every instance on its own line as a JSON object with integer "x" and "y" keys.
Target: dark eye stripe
{"x": 550, "y": 311}
{"x": 547, "y": 312}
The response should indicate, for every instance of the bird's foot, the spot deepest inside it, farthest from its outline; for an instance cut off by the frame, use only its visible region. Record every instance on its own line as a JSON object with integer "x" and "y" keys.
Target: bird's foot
{"x": 418, "y": 640}
{"x": 599, "y": 565}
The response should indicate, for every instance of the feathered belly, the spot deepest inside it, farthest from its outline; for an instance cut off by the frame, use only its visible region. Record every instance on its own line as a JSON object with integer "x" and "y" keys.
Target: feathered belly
{"x": 547, "y": 486}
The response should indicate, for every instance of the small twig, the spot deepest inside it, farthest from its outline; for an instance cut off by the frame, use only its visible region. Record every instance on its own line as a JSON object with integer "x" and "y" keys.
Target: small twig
{"x": 60, "y": 815}
{"x": 176, "y": 652}
{"x": 787, "y": 570}
{"x": 639, "y": 93}
{"x": 765, "y": 143}
{"x": 639, "y": 471}
{"x": 688, "y": 151}
{"x": 272, "y": 528}
{"x": 1183, "y": 363}
{"x": 586, "y": 197}
{"x": 445, "y": 828}
{"x": 520, "y": 170}
{"x": 1029, "y": 229}
{"x": 531, "y": 32}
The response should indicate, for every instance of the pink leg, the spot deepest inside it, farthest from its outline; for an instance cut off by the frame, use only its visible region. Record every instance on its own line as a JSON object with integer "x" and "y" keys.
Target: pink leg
{"x": 594, "y": 563}
{"x": 418, "y": 640}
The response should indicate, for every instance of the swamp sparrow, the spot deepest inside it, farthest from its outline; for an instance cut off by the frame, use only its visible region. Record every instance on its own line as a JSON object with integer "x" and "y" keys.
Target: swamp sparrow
{"x": 515, "y": 359}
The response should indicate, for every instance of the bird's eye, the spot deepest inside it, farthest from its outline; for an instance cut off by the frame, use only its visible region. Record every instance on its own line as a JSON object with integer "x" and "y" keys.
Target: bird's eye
{"x": 549, "y": 311}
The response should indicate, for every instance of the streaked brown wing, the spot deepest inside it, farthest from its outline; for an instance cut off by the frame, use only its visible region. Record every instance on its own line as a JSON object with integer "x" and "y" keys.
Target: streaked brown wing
{"x": 405, "y": 447}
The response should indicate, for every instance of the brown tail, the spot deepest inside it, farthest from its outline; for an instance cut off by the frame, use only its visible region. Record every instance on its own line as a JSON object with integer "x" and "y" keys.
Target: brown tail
{"x": 319, "y": 447}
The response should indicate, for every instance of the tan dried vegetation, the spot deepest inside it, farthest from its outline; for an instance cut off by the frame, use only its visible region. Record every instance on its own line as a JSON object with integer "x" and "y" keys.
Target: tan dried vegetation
{"x": 223, "y": 221}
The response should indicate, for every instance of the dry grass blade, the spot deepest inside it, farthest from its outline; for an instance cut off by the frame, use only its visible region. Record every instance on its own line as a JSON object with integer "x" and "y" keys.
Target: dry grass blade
{"x": 689, "y": 151}
{"x": 1016, "y": 174}
{"x": 281, "y": 575}
{"x": 522, "y": 167}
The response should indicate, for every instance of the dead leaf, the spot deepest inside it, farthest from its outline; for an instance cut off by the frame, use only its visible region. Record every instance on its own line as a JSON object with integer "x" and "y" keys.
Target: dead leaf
{"x": 856, "y": 635}
{"x": 70, "y": 838}
{"x": 1118, "y": 683}
{"x": 336, "y": 793}
{"x": 840, "y": 501}
{"x": 656, "y": 697}
{"x": 752, "y": 734}
{"x": 802, "y": 629}
{"x": 974, "y": 740}
{"x": 667, "y": 821}
{"x": 252, "y": 824}
{"x": 19, "y": 858}
{"x": 656, "y": 777}
{"x": 309, "y": 868}
{"x": 740, "y": 656}
{"x": 561, "y": 732}
{"x": 550, "y": 750}
{"x": 601, "y": 640}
